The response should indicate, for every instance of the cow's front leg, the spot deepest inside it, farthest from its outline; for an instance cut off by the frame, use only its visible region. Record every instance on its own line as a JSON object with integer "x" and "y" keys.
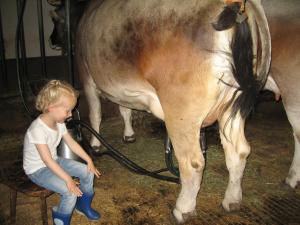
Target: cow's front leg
{"x": 185, "y": 141}
{"x": 128, "y": 134}
{"x": 293, "y": 178}
{"x": 94, "y": 105}
{"x": 236, "y": 150}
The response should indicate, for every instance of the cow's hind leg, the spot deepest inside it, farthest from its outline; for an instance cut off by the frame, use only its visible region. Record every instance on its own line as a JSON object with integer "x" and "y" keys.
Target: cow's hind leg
{"x": 128, "y": 135}
{"x": 294, "y": 173}
{"x": 236, "y": 151}
{"x": 94, "y": 105}
{"x": 185, "y": 140}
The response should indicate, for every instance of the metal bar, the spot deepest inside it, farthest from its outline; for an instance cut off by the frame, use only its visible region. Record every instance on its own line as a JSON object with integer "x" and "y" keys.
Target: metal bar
{"x": 21, "y": 82}
{"x": 13, "y": 202}
{"x": 69, "y": 43}
{"x": 41, "y": 37}
{"x": 22, "y": 43}
{"x": 3, "y": 77}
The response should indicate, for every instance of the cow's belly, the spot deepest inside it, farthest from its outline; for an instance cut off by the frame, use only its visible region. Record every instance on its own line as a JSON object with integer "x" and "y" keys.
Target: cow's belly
{"x": 134, "y": 98}
{"x": 285, "y": 71}
{"x": 289, "y": 83}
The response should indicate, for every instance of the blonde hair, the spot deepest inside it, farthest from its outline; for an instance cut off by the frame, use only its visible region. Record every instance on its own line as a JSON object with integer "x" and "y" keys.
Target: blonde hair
{"x": 51, "y": 93}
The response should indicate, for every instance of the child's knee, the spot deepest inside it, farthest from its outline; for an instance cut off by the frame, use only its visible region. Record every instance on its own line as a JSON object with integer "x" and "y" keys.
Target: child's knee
{"x": 88, "y": 176}
{"x": 70, "y": 197}
{"x": 68, "y": 202}
{"x": 87, "y": 183}
{"x": 71, "y": 200}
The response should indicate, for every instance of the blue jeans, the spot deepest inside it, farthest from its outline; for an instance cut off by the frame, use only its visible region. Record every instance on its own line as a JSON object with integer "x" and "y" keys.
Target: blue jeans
{"x": 44, "y": 177}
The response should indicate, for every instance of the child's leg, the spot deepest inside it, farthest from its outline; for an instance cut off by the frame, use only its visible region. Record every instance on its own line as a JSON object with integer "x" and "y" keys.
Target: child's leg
{"x": 46, "y": 178}
{"x": 80, "y": 170}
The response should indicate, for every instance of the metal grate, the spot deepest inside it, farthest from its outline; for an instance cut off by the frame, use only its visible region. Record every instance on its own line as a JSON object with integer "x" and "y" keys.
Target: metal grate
{"x": 272, "y": 210}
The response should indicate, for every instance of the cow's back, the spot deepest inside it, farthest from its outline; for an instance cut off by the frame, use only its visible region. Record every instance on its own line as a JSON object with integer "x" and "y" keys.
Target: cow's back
{"x": 122, "y": 29}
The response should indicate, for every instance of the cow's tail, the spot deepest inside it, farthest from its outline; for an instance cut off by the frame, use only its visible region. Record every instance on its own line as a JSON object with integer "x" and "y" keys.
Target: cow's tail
{"x": 242, "y": 53}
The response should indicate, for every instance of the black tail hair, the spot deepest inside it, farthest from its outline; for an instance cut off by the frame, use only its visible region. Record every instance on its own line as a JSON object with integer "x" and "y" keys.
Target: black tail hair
{"x": 242, "y": 68}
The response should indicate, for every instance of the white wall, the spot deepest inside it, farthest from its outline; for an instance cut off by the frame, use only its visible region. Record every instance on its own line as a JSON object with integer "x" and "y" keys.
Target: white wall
{"x": 9, "y": 23}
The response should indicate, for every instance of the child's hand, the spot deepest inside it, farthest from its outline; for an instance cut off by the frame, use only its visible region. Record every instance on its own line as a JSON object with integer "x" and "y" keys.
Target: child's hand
{"x": 91, "y": 167}
{"x": 73, "y": 188}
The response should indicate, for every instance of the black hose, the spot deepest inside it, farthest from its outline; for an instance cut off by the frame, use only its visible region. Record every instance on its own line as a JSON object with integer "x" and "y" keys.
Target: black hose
{"x": 111, "y": 151}
{"x": 169, "y": 159}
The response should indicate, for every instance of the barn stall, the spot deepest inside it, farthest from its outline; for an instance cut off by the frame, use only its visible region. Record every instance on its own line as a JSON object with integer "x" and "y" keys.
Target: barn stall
{"x": 124, "y": 197}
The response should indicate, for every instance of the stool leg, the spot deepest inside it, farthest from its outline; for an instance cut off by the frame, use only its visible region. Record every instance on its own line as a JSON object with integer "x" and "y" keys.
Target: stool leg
{"x": 44, "y": 210}
{"x": 13, "y": 201}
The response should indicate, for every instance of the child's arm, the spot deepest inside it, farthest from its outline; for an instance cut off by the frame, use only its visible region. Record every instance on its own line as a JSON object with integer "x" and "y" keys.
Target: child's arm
{"x": 53, "y": 166}
{"x": 77, "y": 149}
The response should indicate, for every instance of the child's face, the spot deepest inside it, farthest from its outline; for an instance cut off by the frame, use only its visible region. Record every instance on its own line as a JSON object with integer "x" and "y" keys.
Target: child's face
{"x": 62, "y": 109}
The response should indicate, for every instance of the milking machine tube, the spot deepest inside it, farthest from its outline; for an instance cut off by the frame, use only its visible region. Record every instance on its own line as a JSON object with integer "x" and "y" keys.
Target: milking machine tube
{"x": 168, "y": 157}
{"x": 123, "y": 160}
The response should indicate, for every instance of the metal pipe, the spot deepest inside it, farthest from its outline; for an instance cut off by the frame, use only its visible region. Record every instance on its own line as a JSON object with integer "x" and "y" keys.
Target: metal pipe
{"x": 41, "y": 37}
{"x": 69, "y": 43}
{"x": 3, "y": 84}
{"x": 21, "y": 39}
{"x": 17, "y": 50}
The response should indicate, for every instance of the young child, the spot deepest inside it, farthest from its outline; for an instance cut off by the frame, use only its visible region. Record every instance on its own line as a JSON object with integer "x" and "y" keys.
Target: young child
{"x": 41, "y": 163}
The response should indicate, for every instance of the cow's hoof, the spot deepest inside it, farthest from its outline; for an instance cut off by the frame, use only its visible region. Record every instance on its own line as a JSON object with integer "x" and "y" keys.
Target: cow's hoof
{"x": 291, "y": 184}
{"x": 293, "y": 179}
{"x": 183, "y": 217}
{"x": 98, "y": 149}
{"x": 188, "y": 216}
{"x": 178, "y": 216}
{"x": 129, "y": 139}
{"x": 284, "y": 185}
{"x": 234, "y": 207}
{"x": 231, "y": 207}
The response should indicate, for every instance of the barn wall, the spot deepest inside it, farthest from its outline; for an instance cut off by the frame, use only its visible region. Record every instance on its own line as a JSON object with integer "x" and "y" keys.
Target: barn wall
{"x": 9, "y": 20}
{"x": 56, "y": 65}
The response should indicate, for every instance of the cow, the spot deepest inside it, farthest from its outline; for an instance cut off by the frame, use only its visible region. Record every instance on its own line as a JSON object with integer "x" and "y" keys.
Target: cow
{"x": 58, "y": 40}
{"x": 284, "y": 21}
{"x": 189, "y": 63}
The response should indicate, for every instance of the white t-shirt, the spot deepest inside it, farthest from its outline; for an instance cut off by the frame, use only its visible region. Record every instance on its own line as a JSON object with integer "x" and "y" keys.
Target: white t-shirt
{"x": 40, "y": 133}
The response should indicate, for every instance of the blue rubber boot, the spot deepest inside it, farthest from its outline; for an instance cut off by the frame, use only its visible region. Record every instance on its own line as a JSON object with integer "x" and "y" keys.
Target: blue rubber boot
{"x": 83, "y": 206}
{"x": 59, "y": 218}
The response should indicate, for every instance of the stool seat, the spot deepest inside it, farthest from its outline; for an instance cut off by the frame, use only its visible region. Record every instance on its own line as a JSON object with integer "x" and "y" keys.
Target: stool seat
{"x": 29, "y": 188}
{"x": 15, "y": 178}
